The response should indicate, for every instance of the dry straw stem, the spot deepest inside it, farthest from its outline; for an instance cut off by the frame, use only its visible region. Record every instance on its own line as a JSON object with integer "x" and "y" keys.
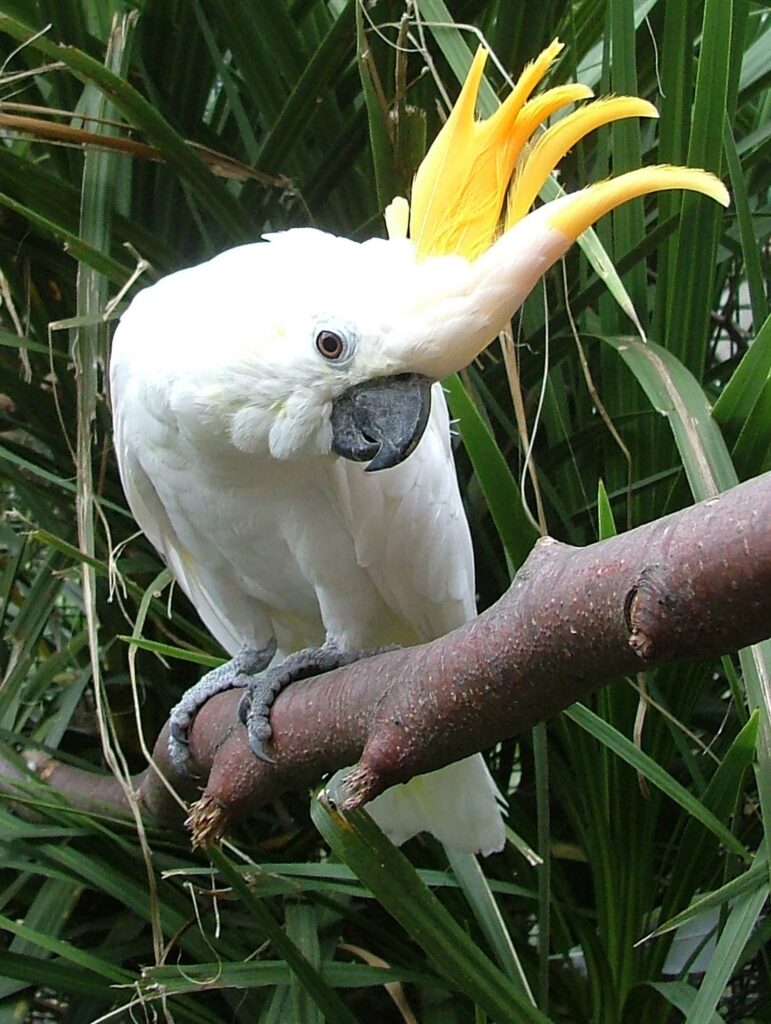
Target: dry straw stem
{"x": 45, "y": 129}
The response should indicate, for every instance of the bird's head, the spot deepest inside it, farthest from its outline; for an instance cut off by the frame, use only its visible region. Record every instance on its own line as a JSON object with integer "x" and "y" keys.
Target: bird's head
{"x": 465, "y": 254}
{"x": 353, "y": 334}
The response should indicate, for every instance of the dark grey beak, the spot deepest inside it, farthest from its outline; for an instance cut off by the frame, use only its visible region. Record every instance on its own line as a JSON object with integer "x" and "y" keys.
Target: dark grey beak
{"x": 381, "y": 421}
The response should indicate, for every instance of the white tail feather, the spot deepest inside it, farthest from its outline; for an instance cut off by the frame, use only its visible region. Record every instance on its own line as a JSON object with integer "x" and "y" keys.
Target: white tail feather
{"x": 458, "y": 804}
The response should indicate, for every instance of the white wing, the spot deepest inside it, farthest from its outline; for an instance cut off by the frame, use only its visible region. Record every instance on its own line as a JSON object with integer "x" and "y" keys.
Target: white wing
{"x": 229, "y": 614}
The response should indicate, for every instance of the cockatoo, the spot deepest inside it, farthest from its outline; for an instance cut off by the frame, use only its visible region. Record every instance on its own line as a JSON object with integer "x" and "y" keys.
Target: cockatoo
{"x": 283, "y": 438}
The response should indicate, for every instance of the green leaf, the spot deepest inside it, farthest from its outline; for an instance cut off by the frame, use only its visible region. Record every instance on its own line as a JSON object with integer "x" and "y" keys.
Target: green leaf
{"x": 690, "y": 302}
{"x": 682, "y": 996}
{"x": 320, "y": 992}
{"x": 749, "y": 881}
{"x": 515, "y": 528}
{"x": 260, "y": 974}
{"x": 606, "y": 524}
{"x": 143, "y": 115}
{"x": 747, "y": 382}
{"x": 379, "y": 136}
{"x": 169, "y": 651}
{"x": 359, "y": 842}
{"x": 302, "y": 927}
{"x": 477, "y": 890}
{"x": 738, "y": 928}
{"x": 626, "y": 148}
{"x": 654, "y": 773}
{"x": 675, "y": 393}
{"x": 89, "y": 255}
{"x": 721, "y": 798}
{"x": 62, "y": 976}
{"x": 66, "y": 950}
{"x": 752, "y": 451}
{"x": 750, "y": 251}
{"x": 326, "y": 63}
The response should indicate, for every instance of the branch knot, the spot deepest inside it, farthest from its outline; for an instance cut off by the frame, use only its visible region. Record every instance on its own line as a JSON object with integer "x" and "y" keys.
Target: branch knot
{"x": 642, "y": 611}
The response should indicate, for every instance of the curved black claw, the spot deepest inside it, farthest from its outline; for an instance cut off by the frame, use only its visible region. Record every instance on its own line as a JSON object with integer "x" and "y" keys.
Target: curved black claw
{"x": 234, "y": 673}
{"x": 259, "y": 695}
{"x": 254, "y": 710}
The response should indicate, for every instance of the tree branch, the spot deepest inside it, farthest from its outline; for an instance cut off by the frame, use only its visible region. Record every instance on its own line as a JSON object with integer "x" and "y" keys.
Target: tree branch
{"x": 696, "y": 584}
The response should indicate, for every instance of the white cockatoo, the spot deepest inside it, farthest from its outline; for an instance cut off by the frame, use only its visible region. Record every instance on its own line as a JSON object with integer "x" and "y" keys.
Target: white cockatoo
{"x": 283, "y": 439}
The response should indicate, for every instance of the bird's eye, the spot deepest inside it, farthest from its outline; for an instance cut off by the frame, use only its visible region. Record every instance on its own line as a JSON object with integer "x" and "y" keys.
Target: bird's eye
{"x": 329, "y": 344}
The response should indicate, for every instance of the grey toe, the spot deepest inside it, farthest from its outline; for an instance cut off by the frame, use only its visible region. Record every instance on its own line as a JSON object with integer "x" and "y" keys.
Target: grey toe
{"x": 232, "y": 674}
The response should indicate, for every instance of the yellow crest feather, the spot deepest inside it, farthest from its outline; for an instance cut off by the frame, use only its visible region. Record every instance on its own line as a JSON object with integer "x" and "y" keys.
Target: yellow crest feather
{"x": 588, "y": 205}
{"x": 460, "y": 188}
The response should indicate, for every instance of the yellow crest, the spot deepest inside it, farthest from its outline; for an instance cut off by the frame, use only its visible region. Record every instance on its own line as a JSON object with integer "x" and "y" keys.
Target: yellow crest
{"x": 461, "y": 187}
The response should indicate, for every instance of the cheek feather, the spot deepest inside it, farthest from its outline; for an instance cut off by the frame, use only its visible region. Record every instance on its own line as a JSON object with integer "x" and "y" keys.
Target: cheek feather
{"x": 303, "y": 430}
{"x": 250, "y": 427}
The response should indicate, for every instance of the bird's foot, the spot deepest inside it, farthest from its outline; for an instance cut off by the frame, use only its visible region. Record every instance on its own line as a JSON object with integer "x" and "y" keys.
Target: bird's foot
{"x": 258, "y": 698}
{"x": 238, "y": 672}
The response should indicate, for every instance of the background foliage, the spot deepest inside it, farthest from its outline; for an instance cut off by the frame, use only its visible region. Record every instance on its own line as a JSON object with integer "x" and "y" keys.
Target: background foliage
{"x": 154, "y": 134}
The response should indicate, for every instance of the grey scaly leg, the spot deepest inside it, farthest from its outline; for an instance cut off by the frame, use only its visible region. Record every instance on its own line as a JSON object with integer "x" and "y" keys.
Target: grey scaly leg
{"x": 254, "y": 709}
{"x": 237, "y": 672}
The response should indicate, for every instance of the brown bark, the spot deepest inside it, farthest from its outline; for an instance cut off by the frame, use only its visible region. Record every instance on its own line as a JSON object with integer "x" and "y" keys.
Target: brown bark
{"x": 693, "y": 585}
